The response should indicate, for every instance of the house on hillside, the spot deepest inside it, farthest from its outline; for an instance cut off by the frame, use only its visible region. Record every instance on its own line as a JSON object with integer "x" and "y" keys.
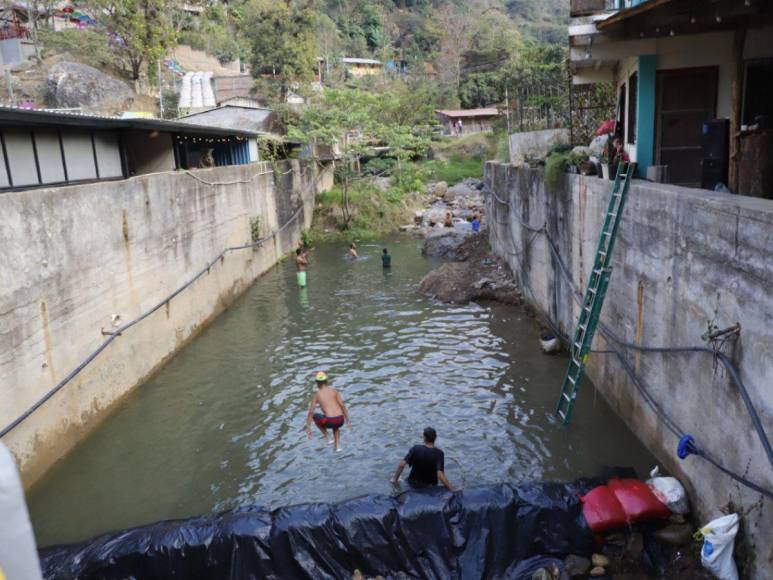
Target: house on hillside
{"x": 362, "y": 67}
{"x": 693, "y": 81}
{"x": 52, "y": 148}
{"x": 472, "y": 120}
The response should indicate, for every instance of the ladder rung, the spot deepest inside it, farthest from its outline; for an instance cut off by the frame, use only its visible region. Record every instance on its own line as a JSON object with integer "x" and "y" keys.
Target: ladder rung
{"x": 612, "y": 214}
{"x": 592, "y": 290}
{"x": 617, "y": 195}
{"x": 562, "y": 414}
{"x": 571, "y": 380}
{"x": 567, "y": 397}
{"x": 578, "y": 345}
{"x": 606, "y": 233}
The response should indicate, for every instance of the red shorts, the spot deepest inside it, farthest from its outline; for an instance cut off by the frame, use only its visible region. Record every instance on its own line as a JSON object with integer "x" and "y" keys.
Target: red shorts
{"x": 328, "y": 422}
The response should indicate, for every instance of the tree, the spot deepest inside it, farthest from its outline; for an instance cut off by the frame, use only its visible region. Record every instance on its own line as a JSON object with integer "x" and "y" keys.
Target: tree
{"x": 283, "y": 41}
{"x": 140, "y": 28}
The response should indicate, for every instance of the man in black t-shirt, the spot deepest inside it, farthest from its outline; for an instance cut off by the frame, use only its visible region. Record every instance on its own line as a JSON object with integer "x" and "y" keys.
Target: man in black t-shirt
{"x": 427, "y": 464}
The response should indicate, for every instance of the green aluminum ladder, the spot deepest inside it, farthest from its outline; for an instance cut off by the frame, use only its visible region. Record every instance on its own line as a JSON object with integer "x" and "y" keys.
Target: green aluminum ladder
{"x": 594, "y": 294}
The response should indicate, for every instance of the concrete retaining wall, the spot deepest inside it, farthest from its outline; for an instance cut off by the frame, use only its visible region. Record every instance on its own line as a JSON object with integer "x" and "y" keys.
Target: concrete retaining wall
{"x": 78, "y": 260}
{"x": 683, "y": 257}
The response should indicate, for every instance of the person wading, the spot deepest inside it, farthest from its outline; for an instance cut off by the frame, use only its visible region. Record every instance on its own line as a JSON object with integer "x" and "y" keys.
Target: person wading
{"x": 334, "y": 411}
{"x": 386, "y": 259}
{"x": 427, "y": 464}
{"x": 301, "y": 261}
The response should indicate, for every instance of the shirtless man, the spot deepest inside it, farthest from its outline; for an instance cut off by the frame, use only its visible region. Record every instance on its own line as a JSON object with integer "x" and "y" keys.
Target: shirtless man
{"x": 334, "y": 412}
{"x": 301, "y": 261}
{"x": 352, "y": 253}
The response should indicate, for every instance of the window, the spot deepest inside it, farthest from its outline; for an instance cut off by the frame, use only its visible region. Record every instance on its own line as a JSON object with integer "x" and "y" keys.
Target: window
{"x": 633, "y": 87}
{"x": 620, "y": 124}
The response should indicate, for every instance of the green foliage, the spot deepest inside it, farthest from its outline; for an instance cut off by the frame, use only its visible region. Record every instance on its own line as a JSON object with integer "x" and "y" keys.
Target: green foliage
{"x": 255, "y": 228}
{"x": 282, "y": 41}
{"x": 170, "y": 101}
{"x": 213, "y": 33}
{"x": 141, "y": 29}
{"x": 557, "y": 165}
{"x": 88, "y": 45}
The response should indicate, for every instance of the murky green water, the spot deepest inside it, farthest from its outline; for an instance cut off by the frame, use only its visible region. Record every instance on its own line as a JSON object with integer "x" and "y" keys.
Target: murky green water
{"x": 222, "y": 425}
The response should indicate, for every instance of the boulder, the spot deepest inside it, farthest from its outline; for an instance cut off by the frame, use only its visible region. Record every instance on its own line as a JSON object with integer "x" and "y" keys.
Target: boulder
{"x": 599, "y": 560}
{"x": 450, "y": 196}
{"x": 72, "y": 84}
{"x": 446, "y": 243}
{"x": 440, "y": 189}
{"x": 576, "y": 566}
{"x": 597, "y": 572}
{"x": 536, "y": 144}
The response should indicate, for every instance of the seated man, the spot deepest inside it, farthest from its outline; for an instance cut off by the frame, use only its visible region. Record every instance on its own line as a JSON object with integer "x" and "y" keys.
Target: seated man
{"x": 332, "y": 405}
{"x": 427, "y": 464}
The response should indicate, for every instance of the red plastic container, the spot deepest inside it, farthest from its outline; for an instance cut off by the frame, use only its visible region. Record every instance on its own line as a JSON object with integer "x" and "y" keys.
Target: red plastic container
{"x": 602, "y": 510}
{"x": 638, "y": 501}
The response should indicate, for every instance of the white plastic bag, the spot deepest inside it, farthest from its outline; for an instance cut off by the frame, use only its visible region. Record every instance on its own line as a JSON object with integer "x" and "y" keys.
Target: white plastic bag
{"x": 718, "y": 542}
{"x": 670, "y": 492}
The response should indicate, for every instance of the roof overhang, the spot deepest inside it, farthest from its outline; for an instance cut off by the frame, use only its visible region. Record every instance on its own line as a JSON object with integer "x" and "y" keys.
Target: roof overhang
{"x": 32, "y": 117}
{"x": 654, "y": 18}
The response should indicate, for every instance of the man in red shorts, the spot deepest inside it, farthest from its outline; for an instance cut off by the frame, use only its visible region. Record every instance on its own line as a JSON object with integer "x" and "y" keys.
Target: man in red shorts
{"x": 334, "y": 412}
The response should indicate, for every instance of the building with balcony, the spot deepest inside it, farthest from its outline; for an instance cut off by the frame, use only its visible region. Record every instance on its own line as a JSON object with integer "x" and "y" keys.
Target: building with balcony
{"x": 693, "y": 80}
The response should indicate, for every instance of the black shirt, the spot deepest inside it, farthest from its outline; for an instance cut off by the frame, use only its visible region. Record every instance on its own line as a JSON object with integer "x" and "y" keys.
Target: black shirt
{"x": 386, "y": 260}
{"x": 425, "y": 462}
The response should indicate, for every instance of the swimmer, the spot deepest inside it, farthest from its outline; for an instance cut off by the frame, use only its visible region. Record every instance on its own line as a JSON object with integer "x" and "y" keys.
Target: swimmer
{"x": 427, "y": 464}
{"x": 301, "y": 261}
{"x": 386, "y": 259}
{"x": 352, "y": 253}
{"x": 334, "y": 411}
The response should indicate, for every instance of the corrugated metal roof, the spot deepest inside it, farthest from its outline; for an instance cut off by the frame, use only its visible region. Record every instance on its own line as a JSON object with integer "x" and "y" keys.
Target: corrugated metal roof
{"x": 485, "y": 112}
{"x": 19, "y": 115}
{"x": 349, "y": 60}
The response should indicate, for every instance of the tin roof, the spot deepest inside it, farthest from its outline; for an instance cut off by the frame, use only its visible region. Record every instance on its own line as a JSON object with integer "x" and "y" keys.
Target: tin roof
{"x": 15, "y": 115}
{"x": 462, "y": 113}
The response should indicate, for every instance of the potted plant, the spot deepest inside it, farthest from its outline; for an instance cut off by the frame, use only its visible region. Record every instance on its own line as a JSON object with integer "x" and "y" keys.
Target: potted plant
{"x": 608, "y": 161}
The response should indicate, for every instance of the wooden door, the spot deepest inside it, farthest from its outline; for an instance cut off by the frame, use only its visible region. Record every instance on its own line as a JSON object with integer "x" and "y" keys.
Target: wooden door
{"x": 685, "y": 99}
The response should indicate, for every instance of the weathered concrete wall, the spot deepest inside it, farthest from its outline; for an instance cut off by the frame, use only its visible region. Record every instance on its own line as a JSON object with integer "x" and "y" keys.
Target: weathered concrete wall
{"x": 75, "y": 258}
{"x": 683, "y": 257}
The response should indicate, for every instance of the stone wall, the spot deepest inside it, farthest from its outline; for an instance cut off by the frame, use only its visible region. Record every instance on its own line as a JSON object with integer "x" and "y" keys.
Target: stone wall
{"x": 84, "y": 259}
{"x": 683, "y": 257}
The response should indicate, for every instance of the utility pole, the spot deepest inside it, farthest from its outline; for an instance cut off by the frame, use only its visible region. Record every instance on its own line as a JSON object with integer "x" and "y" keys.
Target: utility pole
{"x": 160, "y": 90}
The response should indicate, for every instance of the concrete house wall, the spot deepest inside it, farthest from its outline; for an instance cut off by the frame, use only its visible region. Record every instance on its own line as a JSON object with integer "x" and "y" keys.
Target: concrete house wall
{"x": 84, "y": 259}
{"x": 683, "y": 257}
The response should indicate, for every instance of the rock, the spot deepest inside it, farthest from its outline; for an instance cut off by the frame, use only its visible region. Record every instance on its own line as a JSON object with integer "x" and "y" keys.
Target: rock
{"x": 542, "y": 574}
{"x": 73, "y": 85}
{"x": 357, "y": 575}
{"x": 675, "y": 534}
{"x": 463, "y": 189}
{"x": 599, "y": 560}
{"x": 449, "y": 196}
{"x": 445, "y": 243}
{"x": 440, "y": 189}
{"x": 576, "y": 566}
{"x": 676, "y": 519}
{"x": 635, "y": 546}
{"x": 597, "y": 572}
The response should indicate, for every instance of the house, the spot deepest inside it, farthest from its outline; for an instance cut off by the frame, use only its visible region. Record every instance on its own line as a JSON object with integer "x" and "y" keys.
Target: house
{"x": 472, "y": 120}
{"x": 693, "y": 81}
{"x": 50, "y": 148}
{"x": 362, "y": 67}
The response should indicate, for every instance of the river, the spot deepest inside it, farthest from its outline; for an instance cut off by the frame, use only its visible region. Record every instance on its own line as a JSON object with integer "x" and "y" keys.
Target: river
{"x": 221, "y": 425}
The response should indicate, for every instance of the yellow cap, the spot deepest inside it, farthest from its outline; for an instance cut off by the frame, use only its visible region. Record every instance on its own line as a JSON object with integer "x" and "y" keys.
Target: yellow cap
{"x": 321, "y": 377}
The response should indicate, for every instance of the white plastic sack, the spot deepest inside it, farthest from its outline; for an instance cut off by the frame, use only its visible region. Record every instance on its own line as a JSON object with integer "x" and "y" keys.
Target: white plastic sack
{"x": 670, "y": 492}
{"x": 718, "y": 542}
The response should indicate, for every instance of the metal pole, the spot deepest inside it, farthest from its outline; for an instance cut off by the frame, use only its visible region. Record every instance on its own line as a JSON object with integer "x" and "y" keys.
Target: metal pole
{"x": 160, "y": 90}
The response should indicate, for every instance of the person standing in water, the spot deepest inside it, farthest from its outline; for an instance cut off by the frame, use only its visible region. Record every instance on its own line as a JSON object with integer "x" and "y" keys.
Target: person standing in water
{"x": 352, "y": 253}
{"x": 301, "y": 261}
{"x": 334, "y": 411}
{"x": 475, "y": 223}
{"x": 386, "y": 259}
{"x": 427, "y": 464}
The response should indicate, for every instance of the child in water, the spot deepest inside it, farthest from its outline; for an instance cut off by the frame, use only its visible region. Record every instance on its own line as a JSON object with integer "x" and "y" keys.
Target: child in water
{"x": 352, "y": 253}
{"x": 386, "y": 259}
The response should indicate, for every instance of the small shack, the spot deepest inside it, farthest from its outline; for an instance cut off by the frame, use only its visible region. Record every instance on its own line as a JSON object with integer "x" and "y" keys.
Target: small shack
{"x": 465, "y": 121}
{"x": 237, "y": 113}
{"x": 362, "y": 67}
{"x": 49, "y": 148}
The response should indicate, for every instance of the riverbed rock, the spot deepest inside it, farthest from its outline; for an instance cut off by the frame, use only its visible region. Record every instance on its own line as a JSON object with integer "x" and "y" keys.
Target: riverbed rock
{"x": 576, "y": 566}
{"x": 72, "y": 84}
{"x": 440, "y": 189}
{"x": 446, "y": 243}
{"x": 635, "y": 546}
{"x": 449, "y": 196}
{"x": 597, "y": 572}
{"x": 599, "y": 560}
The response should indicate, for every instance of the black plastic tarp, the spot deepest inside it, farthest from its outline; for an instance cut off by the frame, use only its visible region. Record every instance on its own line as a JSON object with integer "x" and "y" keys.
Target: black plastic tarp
{"x": 497, "y": 531}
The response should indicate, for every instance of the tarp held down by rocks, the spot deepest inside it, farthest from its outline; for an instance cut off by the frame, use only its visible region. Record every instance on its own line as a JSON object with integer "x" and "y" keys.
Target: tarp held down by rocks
{"x": 495, "y": 531}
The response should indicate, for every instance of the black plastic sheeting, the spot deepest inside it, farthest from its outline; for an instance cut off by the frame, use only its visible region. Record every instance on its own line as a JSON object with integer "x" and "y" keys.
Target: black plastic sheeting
{"x": 497, "y": 531}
